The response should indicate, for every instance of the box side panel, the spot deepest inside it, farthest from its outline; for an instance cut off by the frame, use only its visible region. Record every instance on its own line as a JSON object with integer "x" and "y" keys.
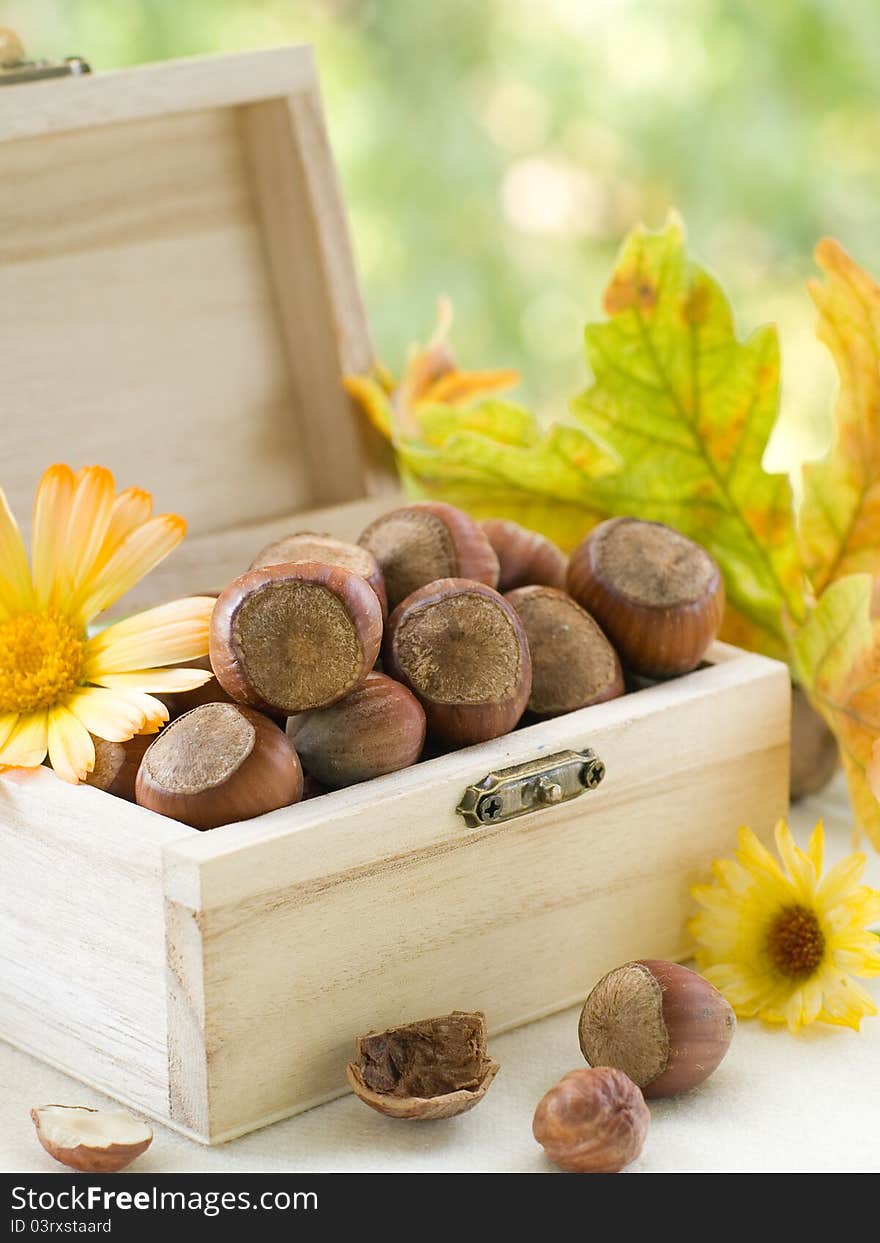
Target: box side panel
{"x": 517, "y": 920}
{"x": 177, "y": 282}
{"x": 82, "y": 936}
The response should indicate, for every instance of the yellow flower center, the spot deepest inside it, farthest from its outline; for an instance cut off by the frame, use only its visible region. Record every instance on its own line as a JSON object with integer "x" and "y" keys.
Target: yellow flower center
{"x": 41, "y": 656}
{"x": 796, "y": 942}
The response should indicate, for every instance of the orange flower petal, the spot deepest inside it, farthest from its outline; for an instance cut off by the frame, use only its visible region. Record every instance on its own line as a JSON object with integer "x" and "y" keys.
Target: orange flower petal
{"x": 140, "y": 552}
{"x": 49, "y": 539}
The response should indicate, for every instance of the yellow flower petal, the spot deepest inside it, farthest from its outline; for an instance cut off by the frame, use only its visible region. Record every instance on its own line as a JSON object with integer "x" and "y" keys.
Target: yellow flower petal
{"x": 799, "y": 866}
{"x": 49, "y": 538}
{"x": 755, "y": 857}
{"x": 162, "y": 636}
{"x": 90, "y": 510}
{"x": 140, "y": 552}
{"x": 8, "y": 722}
{"x": 107, "y": 714}
{"x": 816, "y": 847}
{"x": 844, "y": 1001}
{"x": 839, "y": 882}
{"x": 71, "y": 750}
{"x": 16, "y": 591}
{"x": 26, "y": 746}
{"x": 156, "y": 681}
{"x": 153, "y": 710}
{"x": 803, "y": 1006}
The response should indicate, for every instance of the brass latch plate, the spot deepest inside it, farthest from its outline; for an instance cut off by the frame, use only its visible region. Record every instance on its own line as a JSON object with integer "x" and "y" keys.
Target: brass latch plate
{"x": 515, "y": 791}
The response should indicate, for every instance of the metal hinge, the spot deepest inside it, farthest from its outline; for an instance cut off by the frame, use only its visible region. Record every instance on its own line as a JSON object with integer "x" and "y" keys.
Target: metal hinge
{"x": 513, "y": 792}
{"x": 15, "y": 68}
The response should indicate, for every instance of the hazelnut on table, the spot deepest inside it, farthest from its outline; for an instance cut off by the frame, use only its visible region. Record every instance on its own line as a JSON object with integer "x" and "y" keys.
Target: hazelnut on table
{"x": 433, "y": 1068}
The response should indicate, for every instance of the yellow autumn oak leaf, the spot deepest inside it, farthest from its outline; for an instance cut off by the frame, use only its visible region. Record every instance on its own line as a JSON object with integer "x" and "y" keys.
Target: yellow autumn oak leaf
{"x": 840, "y": 513}
{"x": 688, "y": 408}
{"x": 836, "y": 658}
{"x": 501, "y": 421}
{"x": 541, "y": 479}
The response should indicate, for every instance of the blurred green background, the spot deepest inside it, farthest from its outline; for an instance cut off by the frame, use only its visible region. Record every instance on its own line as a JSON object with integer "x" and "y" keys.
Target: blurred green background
{"x": 498, "y": 150}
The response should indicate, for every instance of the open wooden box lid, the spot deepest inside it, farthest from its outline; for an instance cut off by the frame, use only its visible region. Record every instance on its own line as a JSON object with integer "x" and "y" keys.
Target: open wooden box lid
{"x": 177, "y": 295}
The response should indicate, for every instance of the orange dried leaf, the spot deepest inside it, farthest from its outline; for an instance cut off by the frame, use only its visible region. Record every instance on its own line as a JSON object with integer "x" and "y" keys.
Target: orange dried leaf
{"x": 840, "y": 515}
{"x": 837, "y": 660}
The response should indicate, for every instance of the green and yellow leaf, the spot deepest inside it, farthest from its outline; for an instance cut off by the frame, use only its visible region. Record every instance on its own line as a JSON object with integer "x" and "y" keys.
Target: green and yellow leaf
{"x": 688, "y": 408}
{"x": 493, "y": 460}
{"x": 840, "y": 514}
{"x": 836, "y": 658}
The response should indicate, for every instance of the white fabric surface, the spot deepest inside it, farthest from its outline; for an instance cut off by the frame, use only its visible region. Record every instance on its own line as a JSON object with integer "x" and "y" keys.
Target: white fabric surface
{"x": 777, "y": 1103}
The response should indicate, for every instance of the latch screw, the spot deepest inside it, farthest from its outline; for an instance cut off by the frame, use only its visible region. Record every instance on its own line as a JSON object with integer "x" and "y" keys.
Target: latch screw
{"x": 593, "y": 774}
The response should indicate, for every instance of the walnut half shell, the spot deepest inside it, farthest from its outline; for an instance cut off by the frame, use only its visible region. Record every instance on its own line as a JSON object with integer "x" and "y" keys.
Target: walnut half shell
{"x": 434, "y": 1068}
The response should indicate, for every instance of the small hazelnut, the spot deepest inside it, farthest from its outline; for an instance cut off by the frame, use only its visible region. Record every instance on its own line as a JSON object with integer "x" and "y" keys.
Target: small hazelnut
{"x": 420, "y": 543}
{"x": 667, "y": 1027}
{"x": 525, "y": 558}
{"x": 592, "y": 1122}
{"x": 117, "y": 764}
{"x": 377, "y": 729}
{"x": 288, "y": 638}
{"x": 434, "y": 1068}
{"x": 218, "y": 764}
{"x": 94, "y": 1141}
{"x": 309, "y": 546}
{"x": 573, "y": 664}
{"x": 462, "y": 650}
{"x": 658, "y": 596}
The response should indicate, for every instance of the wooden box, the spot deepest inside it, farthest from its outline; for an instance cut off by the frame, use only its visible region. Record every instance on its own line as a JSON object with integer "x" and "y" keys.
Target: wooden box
{"x": 177, "y": 300}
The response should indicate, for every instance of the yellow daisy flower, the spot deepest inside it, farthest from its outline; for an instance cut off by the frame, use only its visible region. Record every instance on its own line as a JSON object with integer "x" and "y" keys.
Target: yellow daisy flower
{"x": 783, "y": 943}
{"x": 58, "y": 686}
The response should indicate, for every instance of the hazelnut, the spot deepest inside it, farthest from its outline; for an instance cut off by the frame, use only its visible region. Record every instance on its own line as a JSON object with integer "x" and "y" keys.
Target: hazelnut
{"x": 377, "y": 729}
{"x": 815, "y": 757}
{"x": 117, "y": 764}
{"x": 666, "y": 1026}
{"x": 462, "y": 650}
{"x": 573, "y": 664}
{"x": 309, "y": 546}
{"x": 418, "y": 544}
{"x": 592, "y": 1122}
{"x": 525, "y": 558}
{"x": 311, "y": 787}
{"x": 658, "y": 596}
{"x": 435, "y": 1068}
{"x": 289, "y": 638}
{"x": 95, "y": 1141}
{"x": 218, "y": 764}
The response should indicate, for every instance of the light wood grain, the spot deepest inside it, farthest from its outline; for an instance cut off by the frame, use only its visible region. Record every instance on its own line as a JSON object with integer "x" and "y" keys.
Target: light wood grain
{"x": 208, "y": 562}
{"x": 58, "y": 105}
{"x": 177, "y": 294}
{"x": 82, "y": 935}
{"x": 376, "y": 905}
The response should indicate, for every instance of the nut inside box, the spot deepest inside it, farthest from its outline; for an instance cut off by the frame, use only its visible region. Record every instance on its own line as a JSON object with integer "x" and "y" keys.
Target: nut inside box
{"x": 199, "y": 306}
